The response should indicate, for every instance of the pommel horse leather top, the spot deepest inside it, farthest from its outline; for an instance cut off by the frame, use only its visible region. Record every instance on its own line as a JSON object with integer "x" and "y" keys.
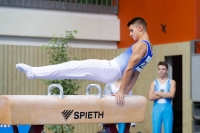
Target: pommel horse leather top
{"x": 70, "y": 109}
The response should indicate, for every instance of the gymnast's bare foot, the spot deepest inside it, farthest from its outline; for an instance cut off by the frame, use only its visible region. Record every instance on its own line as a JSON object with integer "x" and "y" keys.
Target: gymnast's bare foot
{"x": 25, "y": 69}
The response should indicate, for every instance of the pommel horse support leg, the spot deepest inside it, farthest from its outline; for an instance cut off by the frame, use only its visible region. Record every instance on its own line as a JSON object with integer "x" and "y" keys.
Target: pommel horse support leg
{"x": 70, "y": 109}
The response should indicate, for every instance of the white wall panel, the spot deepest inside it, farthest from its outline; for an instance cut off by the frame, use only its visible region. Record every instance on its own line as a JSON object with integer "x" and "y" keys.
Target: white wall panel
{"x": 29, "y": 41}
{"x": 48, "y": 23}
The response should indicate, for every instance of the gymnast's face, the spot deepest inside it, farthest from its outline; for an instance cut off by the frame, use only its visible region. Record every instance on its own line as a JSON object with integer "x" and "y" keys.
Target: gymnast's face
{"x": 162, "y": 71}
{"x": 134, "y": 30}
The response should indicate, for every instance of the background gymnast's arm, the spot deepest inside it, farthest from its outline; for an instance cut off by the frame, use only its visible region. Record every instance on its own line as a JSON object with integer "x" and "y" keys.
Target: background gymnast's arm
{"x": 168, "y": 94}
{"x": 152, "y": 95}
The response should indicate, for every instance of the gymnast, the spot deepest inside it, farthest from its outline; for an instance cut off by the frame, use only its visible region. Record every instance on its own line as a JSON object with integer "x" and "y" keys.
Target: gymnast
{"x": 127, "y": 65}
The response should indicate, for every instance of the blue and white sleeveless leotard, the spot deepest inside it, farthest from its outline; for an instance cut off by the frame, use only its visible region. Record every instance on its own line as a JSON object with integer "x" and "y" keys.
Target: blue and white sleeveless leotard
{"x": 123, "y": 59}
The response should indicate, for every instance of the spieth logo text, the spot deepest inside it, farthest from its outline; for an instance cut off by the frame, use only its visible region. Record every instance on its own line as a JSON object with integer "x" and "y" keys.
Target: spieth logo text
{"x": 83, "y": 115}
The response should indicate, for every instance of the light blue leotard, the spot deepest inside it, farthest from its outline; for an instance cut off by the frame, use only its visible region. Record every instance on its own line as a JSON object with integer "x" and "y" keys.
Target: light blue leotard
{"x": 162, "y": 113}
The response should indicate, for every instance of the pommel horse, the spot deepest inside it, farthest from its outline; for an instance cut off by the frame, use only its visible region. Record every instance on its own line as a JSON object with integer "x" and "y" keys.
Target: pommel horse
{"x": 39, "y": 110}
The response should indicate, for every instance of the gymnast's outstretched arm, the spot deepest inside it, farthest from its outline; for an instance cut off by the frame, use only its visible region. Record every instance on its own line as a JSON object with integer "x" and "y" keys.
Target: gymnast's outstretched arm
{"x": 139, "y": 51}
{"x": 132, "y": 82}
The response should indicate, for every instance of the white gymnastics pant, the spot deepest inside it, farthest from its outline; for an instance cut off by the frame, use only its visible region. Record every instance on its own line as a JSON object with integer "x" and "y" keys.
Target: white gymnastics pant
{"x": 100, "y": 70}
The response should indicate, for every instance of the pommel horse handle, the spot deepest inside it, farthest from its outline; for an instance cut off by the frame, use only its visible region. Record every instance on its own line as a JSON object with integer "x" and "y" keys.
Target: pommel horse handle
{"x": 50, "y": 88}
{"x": 94, "y": 85}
